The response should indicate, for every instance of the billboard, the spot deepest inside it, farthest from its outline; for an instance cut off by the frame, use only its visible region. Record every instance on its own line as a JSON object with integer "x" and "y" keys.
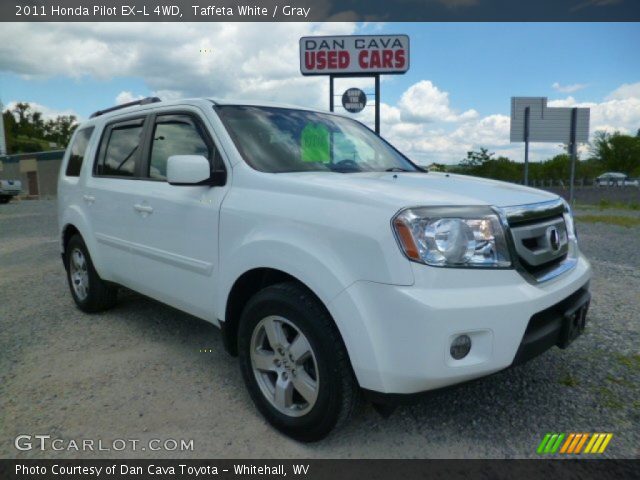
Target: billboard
{"x": 546, "y": 124}
{"x": 354, "y": 54}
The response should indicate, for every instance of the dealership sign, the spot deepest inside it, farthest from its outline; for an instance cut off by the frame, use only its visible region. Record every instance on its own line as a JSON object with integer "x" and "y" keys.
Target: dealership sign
{"x": 354, "y": 54}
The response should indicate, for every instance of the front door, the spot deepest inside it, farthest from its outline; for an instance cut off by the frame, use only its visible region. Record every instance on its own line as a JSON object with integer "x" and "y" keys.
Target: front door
{"x": 176, "y": 232}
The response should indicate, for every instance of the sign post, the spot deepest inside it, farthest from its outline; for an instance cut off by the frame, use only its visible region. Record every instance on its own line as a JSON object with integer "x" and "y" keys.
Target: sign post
{"x": 573, "y": 151}
{"x": 533, "y": 121}
{"x": 527, "y": 114}
{"x": 349, "y": 56}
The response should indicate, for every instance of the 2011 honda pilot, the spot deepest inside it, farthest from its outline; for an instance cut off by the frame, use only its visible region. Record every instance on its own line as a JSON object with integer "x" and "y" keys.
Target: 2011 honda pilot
{"x": 333, "y": 265}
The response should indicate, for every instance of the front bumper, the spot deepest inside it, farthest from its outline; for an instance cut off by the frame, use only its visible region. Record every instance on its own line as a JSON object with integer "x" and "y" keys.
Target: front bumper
{"x": 398, "y": 337}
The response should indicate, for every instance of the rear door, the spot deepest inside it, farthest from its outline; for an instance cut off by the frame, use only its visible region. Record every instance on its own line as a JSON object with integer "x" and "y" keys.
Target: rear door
{"x": 109, "y": 195}
{"x": 176, "y": 227}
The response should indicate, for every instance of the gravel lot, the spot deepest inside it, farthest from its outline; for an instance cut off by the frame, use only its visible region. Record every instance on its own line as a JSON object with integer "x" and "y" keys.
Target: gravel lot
{"x": 137, "y": 372}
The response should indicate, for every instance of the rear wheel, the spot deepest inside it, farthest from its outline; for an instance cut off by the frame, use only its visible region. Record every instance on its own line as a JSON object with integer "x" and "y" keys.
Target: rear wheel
{"x": 5, "y": 199}
{"x": 294, "y": 362}
{"x": 88, "y": 290}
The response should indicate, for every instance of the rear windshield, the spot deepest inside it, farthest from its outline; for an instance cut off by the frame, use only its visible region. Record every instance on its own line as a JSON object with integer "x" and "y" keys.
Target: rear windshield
{"x": 289, "y": 140}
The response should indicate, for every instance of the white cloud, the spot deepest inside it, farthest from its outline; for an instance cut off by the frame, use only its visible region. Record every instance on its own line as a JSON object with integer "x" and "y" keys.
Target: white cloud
{"x": 424, "y": 102}
{"x": 241, "y": 59}
{"x": 126, "y": 97}
{"x": 625, "y": 91}
{"x": 620, "y": 111}
{"x": 568, "y": 88}
{"x": 260, "y": 61}
{"x": 420, "y": 135}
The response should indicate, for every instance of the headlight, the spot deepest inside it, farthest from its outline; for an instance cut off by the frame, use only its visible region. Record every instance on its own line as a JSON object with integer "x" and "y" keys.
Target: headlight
{"x": 452, "y": 237}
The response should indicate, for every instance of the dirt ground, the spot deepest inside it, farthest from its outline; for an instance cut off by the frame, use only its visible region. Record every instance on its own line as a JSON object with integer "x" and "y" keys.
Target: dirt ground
{"x": 140, "y": 371}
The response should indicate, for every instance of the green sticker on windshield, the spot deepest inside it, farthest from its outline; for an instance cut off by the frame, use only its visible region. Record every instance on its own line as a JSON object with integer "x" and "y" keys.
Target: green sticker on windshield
{"x": 314, "y": 143}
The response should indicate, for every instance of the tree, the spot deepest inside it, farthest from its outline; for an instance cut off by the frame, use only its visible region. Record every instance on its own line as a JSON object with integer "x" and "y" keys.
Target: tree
{"x": 27, "y": 131}
{"x": 617, "y": 152}
{"x": 475, "y": 159}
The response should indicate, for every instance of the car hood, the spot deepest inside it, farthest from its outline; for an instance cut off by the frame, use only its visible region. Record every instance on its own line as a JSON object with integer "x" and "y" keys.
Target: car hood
{"x": 405, "y": 189}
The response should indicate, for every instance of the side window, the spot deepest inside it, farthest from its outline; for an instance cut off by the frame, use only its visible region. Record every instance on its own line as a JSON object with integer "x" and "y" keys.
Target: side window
{"x": 78, "y": 151}
{"x": 123, "y": 144}
{"x": 176, "y": 135}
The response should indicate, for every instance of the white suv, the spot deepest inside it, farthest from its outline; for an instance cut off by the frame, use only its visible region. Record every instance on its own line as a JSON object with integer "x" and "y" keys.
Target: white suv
{"x": 333, "y": 265}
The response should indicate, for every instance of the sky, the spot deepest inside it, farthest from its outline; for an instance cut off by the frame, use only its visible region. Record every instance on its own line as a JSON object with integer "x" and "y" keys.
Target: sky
{"x": 455, "y": 97}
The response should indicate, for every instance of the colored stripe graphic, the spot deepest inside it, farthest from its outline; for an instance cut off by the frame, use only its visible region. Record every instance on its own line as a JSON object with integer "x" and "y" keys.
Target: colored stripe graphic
{"x": 568, "y": 442}
{"x": 550, "y": 443}
{"x": 581, "y": 443}
{"x": 594, "y": 437}
{"x": 574, "y": 443}
{"x": 543, "y": 443}
{"x": 598, "y": 443}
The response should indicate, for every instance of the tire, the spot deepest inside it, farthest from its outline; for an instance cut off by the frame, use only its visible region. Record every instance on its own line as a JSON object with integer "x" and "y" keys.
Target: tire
{"x": 5, "y": 199}
{"x": 91, "y": 293}
{"x": 290, "y": 309}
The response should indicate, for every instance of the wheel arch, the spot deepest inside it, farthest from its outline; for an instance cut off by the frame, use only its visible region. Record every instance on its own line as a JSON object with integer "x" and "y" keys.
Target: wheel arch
{"x": 245, "y": 286}
{"x": 74, "y": 221}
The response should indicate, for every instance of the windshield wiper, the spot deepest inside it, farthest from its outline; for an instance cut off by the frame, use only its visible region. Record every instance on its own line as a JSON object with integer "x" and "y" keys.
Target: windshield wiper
{"x": 397, "y": 169}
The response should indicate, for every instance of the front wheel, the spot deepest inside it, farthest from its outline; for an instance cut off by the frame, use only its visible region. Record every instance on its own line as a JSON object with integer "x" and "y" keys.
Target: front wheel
{"x": 294, "y": 362}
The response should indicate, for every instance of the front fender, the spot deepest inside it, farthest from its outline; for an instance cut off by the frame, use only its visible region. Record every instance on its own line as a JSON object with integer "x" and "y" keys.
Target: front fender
{"x": 320, "y": 271}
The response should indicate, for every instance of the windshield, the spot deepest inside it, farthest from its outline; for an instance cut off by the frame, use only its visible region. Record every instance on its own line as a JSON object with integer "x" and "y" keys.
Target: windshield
{"x": 287, "y": 140}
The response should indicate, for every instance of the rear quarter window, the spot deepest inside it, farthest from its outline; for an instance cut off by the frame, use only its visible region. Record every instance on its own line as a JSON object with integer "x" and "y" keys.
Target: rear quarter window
{"x": 78, "y": 152}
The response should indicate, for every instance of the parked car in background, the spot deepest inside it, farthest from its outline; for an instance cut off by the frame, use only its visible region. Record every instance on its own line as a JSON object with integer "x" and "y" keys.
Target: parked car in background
{"x": 616, "y": 179}
{"x": 8, "y": 189}
{"x": 333, "y": 264}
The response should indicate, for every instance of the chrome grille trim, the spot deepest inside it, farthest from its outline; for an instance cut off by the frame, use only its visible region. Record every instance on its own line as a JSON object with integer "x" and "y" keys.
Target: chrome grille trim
{"x": 541, "y": 251}
{"x": 515, "y": 219}
{"x": 525, "y": 213}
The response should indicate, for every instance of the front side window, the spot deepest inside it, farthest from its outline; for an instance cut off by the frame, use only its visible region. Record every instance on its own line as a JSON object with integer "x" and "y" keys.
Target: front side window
{"x": 175, "y": 135}
{"x": 288, "y": 140}
{"x": 118, "y": 157}
{"x": 78, "y": 151}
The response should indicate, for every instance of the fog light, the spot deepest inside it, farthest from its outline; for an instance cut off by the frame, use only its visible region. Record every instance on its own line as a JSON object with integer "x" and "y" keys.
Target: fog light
{"x": 460, "y": 346}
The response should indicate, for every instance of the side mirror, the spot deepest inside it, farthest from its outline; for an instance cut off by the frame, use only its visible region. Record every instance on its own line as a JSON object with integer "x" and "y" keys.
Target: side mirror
{"x": 188, "y": 170}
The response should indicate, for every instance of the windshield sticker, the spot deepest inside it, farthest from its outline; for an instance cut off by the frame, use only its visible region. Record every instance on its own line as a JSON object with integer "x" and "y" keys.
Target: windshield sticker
{"x": 314, "y": 144}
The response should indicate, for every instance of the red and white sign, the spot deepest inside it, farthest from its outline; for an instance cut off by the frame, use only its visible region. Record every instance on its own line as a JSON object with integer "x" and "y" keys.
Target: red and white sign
{"x": 354, "y": 54}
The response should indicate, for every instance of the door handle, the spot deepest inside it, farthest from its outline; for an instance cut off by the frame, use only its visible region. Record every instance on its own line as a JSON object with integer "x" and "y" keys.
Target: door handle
{"x": 143, "y": 208}
{"x": 89, "y": 198}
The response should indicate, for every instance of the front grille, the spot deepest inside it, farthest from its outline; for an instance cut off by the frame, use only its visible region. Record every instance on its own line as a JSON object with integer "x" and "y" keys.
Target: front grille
{"x": 539, "y": 236}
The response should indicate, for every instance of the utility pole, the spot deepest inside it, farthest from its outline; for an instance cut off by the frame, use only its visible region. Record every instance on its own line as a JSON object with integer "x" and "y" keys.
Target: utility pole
{"x": 3, "y": 138}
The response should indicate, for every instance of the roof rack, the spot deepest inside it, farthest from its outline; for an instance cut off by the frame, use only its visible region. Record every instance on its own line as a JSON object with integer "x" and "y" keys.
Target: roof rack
{"x": 143, "y": 101}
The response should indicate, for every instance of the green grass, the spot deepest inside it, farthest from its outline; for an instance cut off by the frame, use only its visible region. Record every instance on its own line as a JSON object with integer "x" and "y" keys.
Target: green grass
{"x": 609, "y": 399}
{"x": 620, "y": 381}
{"x": 569, "y": 381}
{"x": 630, "y": 361}
{"x": 610, "y": 219}
{"x": 605, "y": 204}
